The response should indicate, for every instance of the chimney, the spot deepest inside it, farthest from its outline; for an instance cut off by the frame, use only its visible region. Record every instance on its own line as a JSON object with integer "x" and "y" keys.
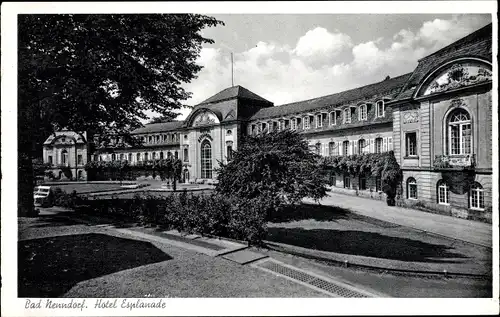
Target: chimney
{"x": 387, "y": 78}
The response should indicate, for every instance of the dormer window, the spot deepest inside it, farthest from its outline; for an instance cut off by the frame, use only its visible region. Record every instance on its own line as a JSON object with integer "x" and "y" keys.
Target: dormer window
{"x": 333, "y": 117}
{"x": 363, "y": 113}
{"x": 380, "y": 109}
{"x": 307, "y": 123}
{"x": 319, "y": 120}
{"x": 347, "y": 115}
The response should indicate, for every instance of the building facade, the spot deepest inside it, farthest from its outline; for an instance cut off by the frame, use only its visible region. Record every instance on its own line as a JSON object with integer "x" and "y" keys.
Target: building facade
{"x": 436, "y": 119}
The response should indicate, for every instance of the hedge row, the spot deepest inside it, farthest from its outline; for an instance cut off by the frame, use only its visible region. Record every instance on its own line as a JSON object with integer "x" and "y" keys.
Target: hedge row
{"x": 203, "y": 214}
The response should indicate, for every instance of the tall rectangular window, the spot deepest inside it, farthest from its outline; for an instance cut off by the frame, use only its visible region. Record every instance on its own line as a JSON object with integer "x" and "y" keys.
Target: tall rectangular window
{"x": 443, "y": 193}
{"x": 293, "y": 125}
{"x": 380, "y": 108}
{"x": 378, "y": 145}
{"x": 362, "y": 182}
{"x": 319, "y": 120}
{"x": 80, "y": 159}
{"x": 333, "y": 118}
{"x": 347, "y": 115}
{"x": 411, "y": 144}
{"x": 307, "y": 124}
{"x": 50, "y": 159}
{"x": 347, "y": 181}
{"x": 229, "y": 153}
{"x": 345, "y": 148}
{"x": 362, "y": 113}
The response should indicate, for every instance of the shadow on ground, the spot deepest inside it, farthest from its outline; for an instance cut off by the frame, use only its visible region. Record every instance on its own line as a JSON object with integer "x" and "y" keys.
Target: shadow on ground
{"x": 362, "y": 243}
{"x": 310, "y": 212}
{"x": 74, "y": 218}
{"x": 49, "y": 267}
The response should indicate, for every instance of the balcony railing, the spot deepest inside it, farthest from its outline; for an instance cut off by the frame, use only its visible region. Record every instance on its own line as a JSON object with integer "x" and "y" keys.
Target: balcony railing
{"x": 454, "y": 161}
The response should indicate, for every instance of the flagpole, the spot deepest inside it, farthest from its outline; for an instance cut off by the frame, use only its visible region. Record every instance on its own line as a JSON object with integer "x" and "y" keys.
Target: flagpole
{"x": 232, "y": 76}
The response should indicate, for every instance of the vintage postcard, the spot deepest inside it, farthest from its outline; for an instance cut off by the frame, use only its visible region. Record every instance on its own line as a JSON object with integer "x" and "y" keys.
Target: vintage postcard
{"x": 241, "y": 158}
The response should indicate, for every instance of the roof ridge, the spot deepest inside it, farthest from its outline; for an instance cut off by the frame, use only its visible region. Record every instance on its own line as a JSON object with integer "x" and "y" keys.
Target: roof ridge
{"x": 348, "y": 90}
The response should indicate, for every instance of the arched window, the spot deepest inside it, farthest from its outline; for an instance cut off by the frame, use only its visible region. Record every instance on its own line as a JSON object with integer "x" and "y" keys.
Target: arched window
{"x": 206, "y": 160}
{"x": 64, "y": 157}
{"x": 459, "y": 132}
{"x": 378, "y": 145}
{"x": 121, "y": 156}
{"x": 345, "y": 148}
{"x": 153, "y": 156}
{"x": 146, "y": 156}
{"x": 169, "y": 155}
{"x": 443, "y": 193}
{"x": 411, "y": 188}
{"x": 380, "y": 108}
{"x": 138, "y": 157}
{"x": 113, "y": 157}
{"x": 361, "y": 146}
{"x": 161, "y": 155}
{"x": 333, "y": 149}
{"x": 476, "y": 195}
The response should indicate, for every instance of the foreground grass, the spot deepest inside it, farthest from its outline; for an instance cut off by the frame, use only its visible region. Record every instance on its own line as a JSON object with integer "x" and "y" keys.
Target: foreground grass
{"x": 49, "y": 267}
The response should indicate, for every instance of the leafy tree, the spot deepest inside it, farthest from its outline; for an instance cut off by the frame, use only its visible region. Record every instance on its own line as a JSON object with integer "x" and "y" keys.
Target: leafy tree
{"x": 99, "y": 73}
{"x": 278, "y": 167}
{"x": 164, "y": 118}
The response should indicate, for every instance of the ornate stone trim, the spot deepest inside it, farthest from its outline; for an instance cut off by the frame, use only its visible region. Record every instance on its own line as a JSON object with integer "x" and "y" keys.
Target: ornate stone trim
{"x": 410, "y": 117}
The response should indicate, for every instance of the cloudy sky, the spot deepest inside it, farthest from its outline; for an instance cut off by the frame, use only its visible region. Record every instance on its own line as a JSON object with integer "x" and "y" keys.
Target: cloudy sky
{"x": 286, "y": 58}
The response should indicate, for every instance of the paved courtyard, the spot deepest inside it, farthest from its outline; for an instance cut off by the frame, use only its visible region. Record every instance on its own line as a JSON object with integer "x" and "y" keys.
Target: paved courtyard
{"x": 467, "y": 230}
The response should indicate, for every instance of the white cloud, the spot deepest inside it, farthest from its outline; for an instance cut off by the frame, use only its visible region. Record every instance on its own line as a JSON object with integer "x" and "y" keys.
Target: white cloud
{"x": 318, "y": 65}
{"x": 320, "y": 42}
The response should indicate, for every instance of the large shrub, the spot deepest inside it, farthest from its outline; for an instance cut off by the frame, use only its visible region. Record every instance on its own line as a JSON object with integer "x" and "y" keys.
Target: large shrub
{"x": 276, "y": 167}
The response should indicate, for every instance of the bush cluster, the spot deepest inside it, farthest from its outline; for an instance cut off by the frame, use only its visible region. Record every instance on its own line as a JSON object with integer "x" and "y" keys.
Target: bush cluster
{"x": 206, "y": 214}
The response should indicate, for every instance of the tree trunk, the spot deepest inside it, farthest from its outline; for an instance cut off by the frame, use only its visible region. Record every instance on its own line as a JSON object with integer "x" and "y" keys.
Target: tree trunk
{"x": 25, "y": 203}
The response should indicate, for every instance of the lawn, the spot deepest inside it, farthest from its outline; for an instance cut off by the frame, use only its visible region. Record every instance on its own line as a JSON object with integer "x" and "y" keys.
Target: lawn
{"x": 340, "y": 231}
{"x": 49, "y": 267}
{"x": 87, "y": 188}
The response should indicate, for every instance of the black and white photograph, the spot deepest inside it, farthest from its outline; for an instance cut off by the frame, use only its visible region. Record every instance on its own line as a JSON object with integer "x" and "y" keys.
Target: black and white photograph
{"x": 203, "y": 158}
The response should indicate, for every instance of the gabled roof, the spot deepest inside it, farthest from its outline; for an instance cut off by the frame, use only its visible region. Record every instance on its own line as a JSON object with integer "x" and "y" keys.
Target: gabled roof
{"x": 234, "y": 92}
{"x": 158, "y": 127}
{"x": 476, "y": 44}
{"x": 365, "y": 93}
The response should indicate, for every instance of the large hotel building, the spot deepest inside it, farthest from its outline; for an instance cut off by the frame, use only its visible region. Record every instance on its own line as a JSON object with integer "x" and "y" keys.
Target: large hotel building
{"x": 437, "y": 120}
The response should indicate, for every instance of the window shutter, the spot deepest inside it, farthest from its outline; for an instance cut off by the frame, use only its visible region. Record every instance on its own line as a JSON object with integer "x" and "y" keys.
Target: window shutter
{"x": 384, "y": 145}
{"x": 372, "y": 144}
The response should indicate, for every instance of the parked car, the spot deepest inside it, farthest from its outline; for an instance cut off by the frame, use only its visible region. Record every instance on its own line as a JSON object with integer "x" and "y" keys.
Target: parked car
{"x": 43, "y": 196}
